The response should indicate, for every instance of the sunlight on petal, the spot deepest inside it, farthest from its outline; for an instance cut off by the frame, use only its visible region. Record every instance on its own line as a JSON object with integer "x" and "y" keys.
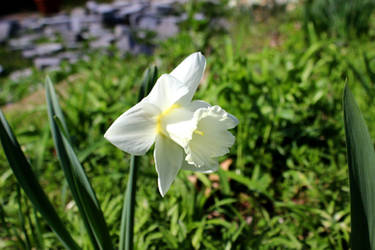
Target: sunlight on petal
{"x": 168, "y": 161}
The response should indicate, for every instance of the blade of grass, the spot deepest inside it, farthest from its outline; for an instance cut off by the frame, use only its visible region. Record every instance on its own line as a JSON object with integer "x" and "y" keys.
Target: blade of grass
{"x": 40, "y": 150}
{"x": 84, "y": 154}
{"x": 361, "y": 161}
{"x": 39, "y": 231}
{"x": 224, "y": 182}
{"x": 31, "y": 228}
{"x": 127, "y": 215}
{"x": 360, "y": 76}
{"x": 14, "y": 232}
{"x": 78, "y": 182}
{"x": 3, "y": 222}
{"x": 21, "y": 217}
{"x": 27, "y": 180}
{"x": 370, "y": 73}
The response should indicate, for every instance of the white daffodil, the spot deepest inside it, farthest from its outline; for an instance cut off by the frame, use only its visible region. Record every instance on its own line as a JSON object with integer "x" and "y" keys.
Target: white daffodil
{"x": 187, "y": 134}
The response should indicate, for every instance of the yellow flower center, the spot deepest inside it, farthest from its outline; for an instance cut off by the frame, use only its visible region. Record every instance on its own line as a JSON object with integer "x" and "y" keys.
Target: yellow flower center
{"x": 198, "y": 132}
{"x": 159, "y": 118}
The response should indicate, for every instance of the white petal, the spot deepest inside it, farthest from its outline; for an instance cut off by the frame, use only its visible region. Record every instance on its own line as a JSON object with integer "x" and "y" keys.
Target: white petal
{"x": 167, "y": 91}
{"x": 190, "y": 72}
{"x": 168, "y": 161}
{"x": 211, "y": 138}
{"x": 204, "y": 169}
{"x": 197, "y": 104}
{"x": 135, "y": 130}
{"x": 179, "y": 124}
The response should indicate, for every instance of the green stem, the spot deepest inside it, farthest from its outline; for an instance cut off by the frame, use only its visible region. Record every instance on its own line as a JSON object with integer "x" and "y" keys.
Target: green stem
{"x": 127, "y": 218}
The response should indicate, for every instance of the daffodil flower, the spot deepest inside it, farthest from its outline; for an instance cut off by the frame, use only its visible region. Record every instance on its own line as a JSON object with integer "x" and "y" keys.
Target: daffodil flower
{"x": 187, "y": 134}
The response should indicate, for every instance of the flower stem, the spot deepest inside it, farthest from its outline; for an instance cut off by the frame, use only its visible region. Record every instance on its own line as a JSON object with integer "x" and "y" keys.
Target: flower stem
{"x": 127, "y": 218}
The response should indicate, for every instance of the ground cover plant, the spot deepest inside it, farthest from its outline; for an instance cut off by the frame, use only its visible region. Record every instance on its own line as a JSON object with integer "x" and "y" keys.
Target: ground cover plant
{"x": 343, "y": 19}
{"x": 284, "y": 185}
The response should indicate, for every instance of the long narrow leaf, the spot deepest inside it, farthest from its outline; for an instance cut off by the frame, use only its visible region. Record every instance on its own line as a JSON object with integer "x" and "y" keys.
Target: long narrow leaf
{"x": 88, "y": 198}
{"x": 361, "y": 161}
{"x": 55, "y": 110}
{"x": 27, "y": 180}
{"x": 149, "y": 78}
{"x": 127, "y": 216}
{"x": 78, "y": 182}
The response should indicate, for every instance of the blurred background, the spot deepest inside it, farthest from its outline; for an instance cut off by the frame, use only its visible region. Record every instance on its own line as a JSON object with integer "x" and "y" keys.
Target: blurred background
{"x": 278, "y": 65}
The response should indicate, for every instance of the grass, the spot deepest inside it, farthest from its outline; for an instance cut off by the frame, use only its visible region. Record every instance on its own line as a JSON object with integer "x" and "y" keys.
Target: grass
{"x": 284, "y": 185}
{"x": 12, "y": 60}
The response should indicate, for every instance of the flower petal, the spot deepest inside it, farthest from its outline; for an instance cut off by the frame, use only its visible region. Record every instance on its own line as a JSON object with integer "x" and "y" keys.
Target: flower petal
{"x": 204, "y": 169}
{"x": 167, "y": 91}
{"x": 179, "y": 123}
{"x": 197, "y": 104}
{"x": 135, "y": 130}
{"x": 190, "y": 72}
{"x": 210, "y": 139}
{"x": 168, "y": 161}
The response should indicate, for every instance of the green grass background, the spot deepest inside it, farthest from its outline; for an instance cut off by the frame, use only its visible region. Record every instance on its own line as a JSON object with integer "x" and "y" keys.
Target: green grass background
{"x": 287, "y": 183}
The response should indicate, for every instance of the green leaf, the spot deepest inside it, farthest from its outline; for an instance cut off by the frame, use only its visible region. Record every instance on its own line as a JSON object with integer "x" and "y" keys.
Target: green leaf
{"x": 11, "y": 232}
{"x": 148, "y": 81}
{"x": 84, "y": 154}
{"x": 78, "y": 182}
{"x": 27, "y": 180}
{"x": 198, "y": 235}
{"x": 361, "y": 161}
{"x": 127, "y": 216}
{"x": 369, "y": 71}
{"x": 251, "y": 184}
{"x": 39, "y": 232}
{"x": 362, "y": 80}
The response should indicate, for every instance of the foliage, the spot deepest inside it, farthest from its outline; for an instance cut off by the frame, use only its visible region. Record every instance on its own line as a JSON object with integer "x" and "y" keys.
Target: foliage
{"x": 342, "y": 18}
{"x": 285, "y": 182}
{"x": 361, "y": 161}
{"x": 27, "y": 180}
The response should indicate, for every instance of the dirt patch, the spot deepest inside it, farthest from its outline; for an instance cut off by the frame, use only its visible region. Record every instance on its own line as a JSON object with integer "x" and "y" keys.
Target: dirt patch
{"x": 38, "y": 98}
